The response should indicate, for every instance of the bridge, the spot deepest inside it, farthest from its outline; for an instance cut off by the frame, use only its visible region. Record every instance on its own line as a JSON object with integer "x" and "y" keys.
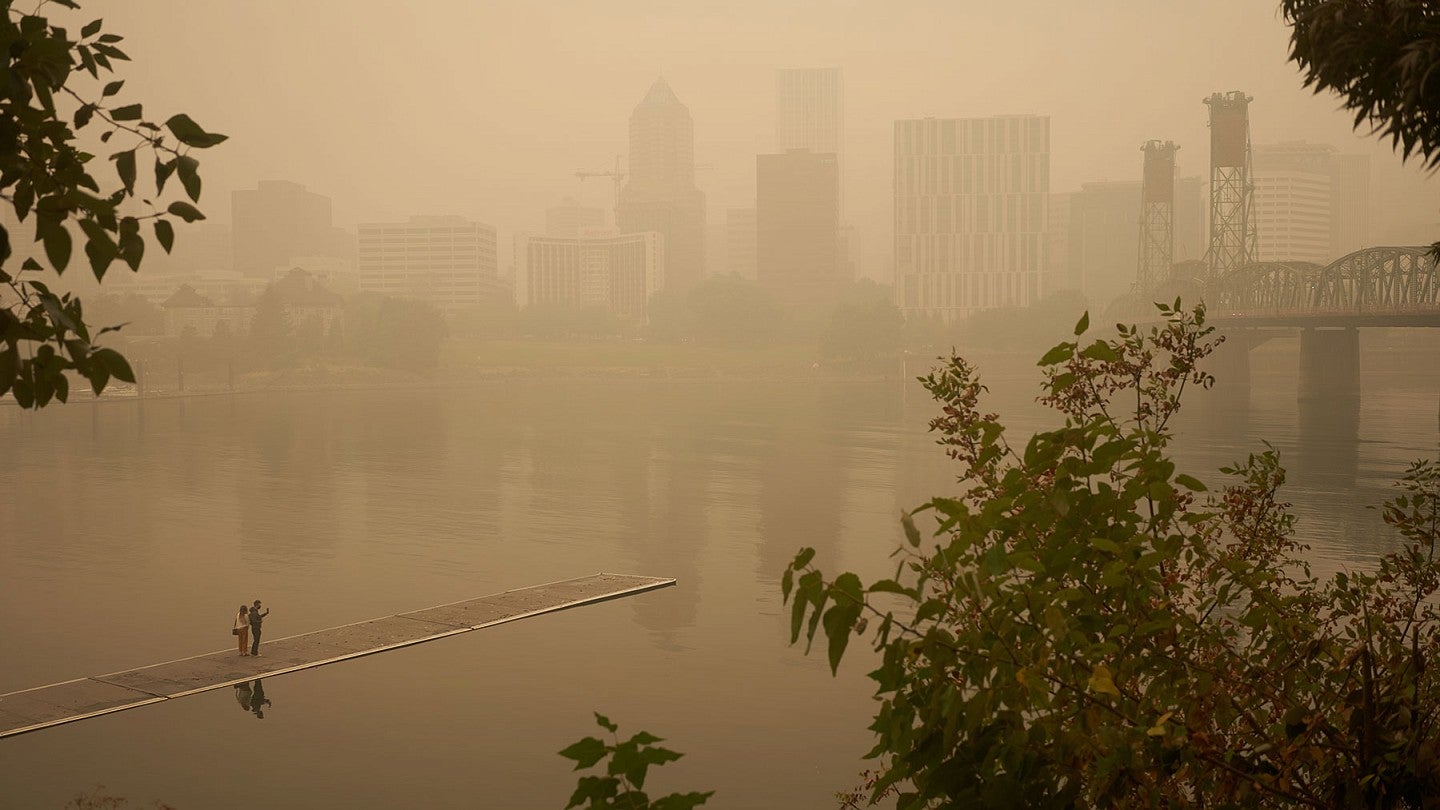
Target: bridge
{"x": 1372, "y": 287}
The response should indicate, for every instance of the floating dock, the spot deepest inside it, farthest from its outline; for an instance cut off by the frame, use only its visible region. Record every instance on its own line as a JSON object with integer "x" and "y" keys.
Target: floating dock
{"x": 45, "y": 706}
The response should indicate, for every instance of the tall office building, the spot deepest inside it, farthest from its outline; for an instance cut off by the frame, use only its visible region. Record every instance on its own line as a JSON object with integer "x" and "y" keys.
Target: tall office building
{"x": 809, "y": 110}
{"x": 1312, "y": 202}
{"x": 619, "y": 273}
{"x": 971, "y": 203}
{"x": 279, "y": 220}
{"x": 569, "y": 219}
{"x": 1094, "y": 236}
{"x": 448, "y": 261}
{"x": 797, "y": 221}
{"x": 740, "y": 242}
{"x": 810, "y": 114}
{"x": 660, "y": 193}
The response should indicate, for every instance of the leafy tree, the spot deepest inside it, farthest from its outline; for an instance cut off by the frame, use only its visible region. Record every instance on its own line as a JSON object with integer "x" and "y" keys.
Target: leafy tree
{"x": 1380, "y": 58}
{"x": 732, "y": 310}
{"x": 863, "y": 330}
{"x": 1088, "y": 627}
{"x": 46, "y": 102}
{"x": 272, "y": 332}
{"x": 1022, "y": 328}
{"x": 394, "y": 332}
{"x": 623, "y": 785}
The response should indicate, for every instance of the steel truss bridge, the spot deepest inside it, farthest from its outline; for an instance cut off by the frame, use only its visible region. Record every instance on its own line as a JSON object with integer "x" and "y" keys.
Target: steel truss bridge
{"x": 1379, "y": 286}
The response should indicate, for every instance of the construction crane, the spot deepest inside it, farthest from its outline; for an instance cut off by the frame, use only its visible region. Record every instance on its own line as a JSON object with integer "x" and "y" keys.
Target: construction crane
{"x": 616, "y": 175}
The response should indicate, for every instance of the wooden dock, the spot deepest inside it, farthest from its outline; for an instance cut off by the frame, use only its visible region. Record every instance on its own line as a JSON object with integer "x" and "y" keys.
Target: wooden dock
{"x": 45, "y": 706}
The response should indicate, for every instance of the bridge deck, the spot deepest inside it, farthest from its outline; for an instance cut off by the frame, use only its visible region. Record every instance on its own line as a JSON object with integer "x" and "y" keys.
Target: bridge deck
{"x": 45, "y": 706}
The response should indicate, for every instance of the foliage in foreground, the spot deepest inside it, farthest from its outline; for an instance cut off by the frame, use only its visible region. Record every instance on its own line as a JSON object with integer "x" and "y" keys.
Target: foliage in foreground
{"x": 622, "y": 787}
{"x": 1380, "y": 57}
{"x": 48, "y": 180}
{"x": 1089, "y": 627}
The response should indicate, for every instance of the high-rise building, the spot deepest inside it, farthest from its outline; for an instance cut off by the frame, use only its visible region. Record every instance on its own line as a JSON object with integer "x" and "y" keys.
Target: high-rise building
{"x": 1312, "y": 202}
{"x": 971, "y": 202}
{"x": 448, "y": 261}
{"x": 619, "y": 273}
{"x": 570, "y": 218}
{"x": 660, "y": 193}
{"x": 810, "y": 114}
{"x": 797, "y": 222}
{"x": 279, "y": 220}
{"x": 1094, "y": 235}
{"x": 740, "y": 242}
{"x": 809, "y": 110}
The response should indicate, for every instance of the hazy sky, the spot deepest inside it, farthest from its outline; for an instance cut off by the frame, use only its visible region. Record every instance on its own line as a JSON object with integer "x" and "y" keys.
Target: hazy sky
{"x": 487, "y": 109}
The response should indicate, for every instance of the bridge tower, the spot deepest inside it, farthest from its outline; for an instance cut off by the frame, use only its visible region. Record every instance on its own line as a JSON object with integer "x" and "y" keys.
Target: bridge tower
{"x": 1157, "y": 215}
{"x": 1232, "y": 193}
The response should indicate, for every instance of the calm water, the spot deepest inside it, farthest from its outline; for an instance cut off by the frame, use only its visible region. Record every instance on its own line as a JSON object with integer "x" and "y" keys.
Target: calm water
{"x": 129, "y": 535}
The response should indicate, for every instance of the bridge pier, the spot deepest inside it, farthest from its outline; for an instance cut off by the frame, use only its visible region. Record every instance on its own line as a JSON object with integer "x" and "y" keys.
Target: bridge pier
{"x": 1329, "y": 364}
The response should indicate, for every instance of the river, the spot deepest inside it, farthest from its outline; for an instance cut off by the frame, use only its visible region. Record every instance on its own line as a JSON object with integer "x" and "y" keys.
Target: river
{"x": 131, "y": 531}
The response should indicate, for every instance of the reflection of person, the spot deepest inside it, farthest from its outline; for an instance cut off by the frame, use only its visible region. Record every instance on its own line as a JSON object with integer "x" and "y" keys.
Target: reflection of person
{"x": 242, "y": 629}
{"x": 256, "y": 617}
{"x": 257, "y": 699}
{"x": 242, "y": 695}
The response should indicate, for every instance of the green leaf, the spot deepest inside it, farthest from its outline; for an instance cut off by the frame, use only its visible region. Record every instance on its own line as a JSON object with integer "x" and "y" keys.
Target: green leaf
{"x": 1101, "y": 681}
{"x": 91, "y": 29}
{"x": 189, "y": 133}
{"x": 912, "y": 534}
{"x": 803, "y": 558}
{"x": 163, "y": 170}
{"x": 83, "y": 114}
{"x": 130, "y": 112}
{"x": 679, "y": 801}
{"x": 115, "y": 363}
{"x": 1082, "y": 324}
{"x": 125, "y": 165}
{"x": 586, "y": 752}
{"x": 1058, "y": 354}
{"x": 112, "y": 88}
{"x": 165, "y": 234}
{"x": 185, "y": 211}
{"x": 1105, "y": 544}
{"x": 57, "y": 247}
{"x": 604, "y": 722}
{"x": 1102, "y": 351}
{"x": 9, "y": 368}
{"x": 1190, "y": 483}
{"x": 189, "y": 176}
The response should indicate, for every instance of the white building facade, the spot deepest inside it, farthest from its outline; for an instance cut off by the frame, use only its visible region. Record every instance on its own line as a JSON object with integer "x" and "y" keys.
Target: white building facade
{"x": 619, "y": 273}
{"x": 447, "y": 261}
{"x": 971, "y": 213}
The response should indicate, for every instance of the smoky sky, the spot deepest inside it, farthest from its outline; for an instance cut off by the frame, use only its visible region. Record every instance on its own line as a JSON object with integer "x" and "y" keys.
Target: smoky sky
{"x": 487, "y": 109}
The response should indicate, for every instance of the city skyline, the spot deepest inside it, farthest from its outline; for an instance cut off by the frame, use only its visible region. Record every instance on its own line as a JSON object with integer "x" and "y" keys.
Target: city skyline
{"x": 513, "y": 181}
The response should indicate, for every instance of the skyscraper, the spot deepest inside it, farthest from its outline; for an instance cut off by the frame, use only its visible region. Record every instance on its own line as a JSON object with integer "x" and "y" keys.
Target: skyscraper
{"x": 809, "y": 110}
{"x": 1313, "y": 203}
{"x": 797, "y": 223}
{"x": 660, "y": 193}
{"x": 971, "y": 199}
{"x": 810, "y": 114}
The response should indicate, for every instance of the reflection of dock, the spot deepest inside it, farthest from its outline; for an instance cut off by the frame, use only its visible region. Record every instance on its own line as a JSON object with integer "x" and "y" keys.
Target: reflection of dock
{"x": 45, "y": 706}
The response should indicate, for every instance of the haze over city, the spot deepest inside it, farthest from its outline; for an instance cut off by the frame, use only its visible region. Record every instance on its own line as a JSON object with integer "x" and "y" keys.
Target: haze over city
{"x": 543, "y": 394}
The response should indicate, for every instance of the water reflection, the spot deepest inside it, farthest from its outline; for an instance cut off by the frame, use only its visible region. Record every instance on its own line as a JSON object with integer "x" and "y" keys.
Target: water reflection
{"x": 251, "y": 697}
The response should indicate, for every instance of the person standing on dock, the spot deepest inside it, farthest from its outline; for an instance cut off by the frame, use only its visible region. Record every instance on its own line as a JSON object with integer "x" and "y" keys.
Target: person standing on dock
{"x": 242, "y": 629}
{"x": 256, "y": 617}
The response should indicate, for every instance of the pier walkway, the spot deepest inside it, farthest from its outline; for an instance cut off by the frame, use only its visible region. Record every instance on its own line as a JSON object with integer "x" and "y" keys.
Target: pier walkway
{"x": 45, "y": 706}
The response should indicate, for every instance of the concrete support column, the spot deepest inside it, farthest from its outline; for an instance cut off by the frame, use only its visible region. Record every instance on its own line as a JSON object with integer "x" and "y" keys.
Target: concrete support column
{"x": 1329, "y": 364}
